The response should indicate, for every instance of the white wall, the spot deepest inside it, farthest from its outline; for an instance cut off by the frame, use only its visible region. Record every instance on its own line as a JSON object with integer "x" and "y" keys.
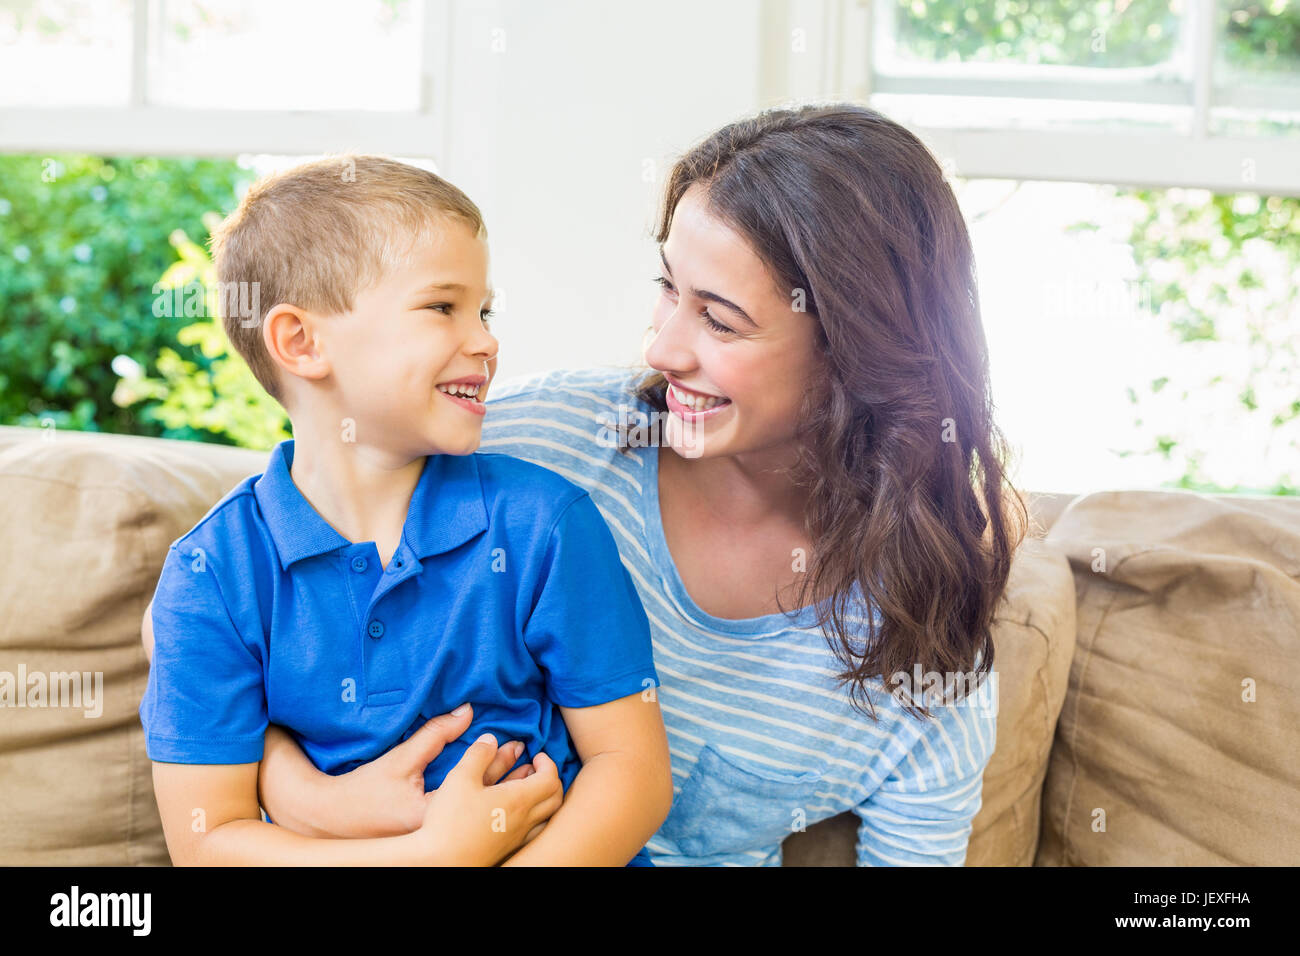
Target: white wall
{"x": 555, "y": 113}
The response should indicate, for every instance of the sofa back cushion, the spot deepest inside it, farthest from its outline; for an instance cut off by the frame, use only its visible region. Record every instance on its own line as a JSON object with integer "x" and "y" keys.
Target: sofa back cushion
{"x": 87, "y": 519}
{"x": 1177, "y": 742}
{"x": 1033, "y": 639}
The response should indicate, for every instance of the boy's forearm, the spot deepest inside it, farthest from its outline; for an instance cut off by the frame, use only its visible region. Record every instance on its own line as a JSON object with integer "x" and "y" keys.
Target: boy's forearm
{"x": 303, "y": 799}
{"x": 614, "y": 805}
{"x": 256, "y": 843}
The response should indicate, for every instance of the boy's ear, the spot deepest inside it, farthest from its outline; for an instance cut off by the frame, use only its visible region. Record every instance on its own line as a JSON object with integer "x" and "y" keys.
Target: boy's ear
{"x": 290, "y": 336}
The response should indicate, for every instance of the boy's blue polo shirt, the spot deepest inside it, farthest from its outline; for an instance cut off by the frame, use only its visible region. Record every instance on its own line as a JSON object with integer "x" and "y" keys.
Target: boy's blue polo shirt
{"x": 506, "y": 591}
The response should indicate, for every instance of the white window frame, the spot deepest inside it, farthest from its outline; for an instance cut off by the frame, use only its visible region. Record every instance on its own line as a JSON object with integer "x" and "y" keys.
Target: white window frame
{"x": 139, "y": 128}
{"x": 843, "y": 30}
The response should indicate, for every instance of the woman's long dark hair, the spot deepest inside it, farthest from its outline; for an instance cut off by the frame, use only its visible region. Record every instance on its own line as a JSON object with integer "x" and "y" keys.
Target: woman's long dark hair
{"x": 904, "y": 467}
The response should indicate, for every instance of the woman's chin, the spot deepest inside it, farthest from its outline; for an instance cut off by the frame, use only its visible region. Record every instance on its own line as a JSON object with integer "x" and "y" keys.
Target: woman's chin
{"x": 685, "y": 438}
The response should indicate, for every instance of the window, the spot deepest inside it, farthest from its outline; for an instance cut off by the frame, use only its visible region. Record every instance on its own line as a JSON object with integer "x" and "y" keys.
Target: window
{"x": 1202, "y": 93}
{"x": 220, "y": 77}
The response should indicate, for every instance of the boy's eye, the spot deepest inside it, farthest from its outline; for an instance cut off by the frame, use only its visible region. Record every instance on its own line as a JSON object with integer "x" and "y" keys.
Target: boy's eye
{"x": 443, "y": 307}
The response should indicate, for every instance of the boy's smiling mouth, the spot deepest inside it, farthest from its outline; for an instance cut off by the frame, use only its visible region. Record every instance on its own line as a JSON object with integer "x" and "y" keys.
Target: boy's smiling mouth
{"x": 465, "y": 392}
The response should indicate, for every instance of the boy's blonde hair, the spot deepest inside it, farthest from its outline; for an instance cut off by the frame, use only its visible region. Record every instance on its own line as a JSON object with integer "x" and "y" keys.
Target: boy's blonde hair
{"x": 316, "y": 235}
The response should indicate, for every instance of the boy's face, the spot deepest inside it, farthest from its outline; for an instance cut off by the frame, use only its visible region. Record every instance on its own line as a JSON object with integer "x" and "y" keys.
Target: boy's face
{"x": 421, "y": 327}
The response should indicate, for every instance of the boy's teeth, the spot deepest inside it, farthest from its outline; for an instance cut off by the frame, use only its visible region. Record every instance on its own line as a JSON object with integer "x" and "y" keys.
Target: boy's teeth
{"x": 464, "y": 391}
{"x": 694, "y": 402}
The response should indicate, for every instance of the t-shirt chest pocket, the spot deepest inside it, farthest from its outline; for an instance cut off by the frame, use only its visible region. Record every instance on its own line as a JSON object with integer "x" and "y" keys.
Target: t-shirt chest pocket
{"x": 726, "y": 808}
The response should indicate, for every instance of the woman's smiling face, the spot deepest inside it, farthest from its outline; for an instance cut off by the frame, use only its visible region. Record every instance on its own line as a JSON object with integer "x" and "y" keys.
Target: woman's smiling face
{"x": 738, "y": 355}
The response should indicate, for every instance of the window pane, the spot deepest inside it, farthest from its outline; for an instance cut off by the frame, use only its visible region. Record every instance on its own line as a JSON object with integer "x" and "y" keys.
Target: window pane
{"x": 1099, "y": 33}
{"x": 65, "y": 53}
{"x": 1257, "y": 69}
{"x": 288, "y": 55}
{"x": 987, "y": 112}
{"x": 1248, "y": 123}
{"x": 1260, "y": 40}
{"x": 1141, "y": 338}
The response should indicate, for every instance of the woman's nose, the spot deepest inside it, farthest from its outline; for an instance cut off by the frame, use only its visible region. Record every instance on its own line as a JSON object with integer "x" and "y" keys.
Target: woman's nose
{"x": 667, "y": 346}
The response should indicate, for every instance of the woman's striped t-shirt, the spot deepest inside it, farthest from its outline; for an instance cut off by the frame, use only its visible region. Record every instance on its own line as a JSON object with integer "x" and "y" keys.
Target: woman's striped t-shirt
{"x": 763, "y": 742}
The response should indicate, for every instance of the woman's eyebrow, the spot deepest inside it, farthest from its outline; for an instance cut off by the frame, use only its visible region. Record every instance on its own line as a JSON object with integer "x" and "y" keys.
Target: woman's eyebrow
{"x": 710, "y": 296}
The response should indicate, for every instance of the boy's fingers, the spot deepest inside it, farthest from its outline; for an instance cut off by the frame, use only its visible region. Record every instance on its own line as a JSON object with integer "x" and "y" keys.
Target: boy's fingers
{"x": 506, "y": 756}
{"x": 426, "y": 743}
{"x": 545, "y": 765}
{"x": 546, "y": 809}
{"x": 541, "y": 785}
{"x": 525, "y": 770}
{"x": 474, "y": 762}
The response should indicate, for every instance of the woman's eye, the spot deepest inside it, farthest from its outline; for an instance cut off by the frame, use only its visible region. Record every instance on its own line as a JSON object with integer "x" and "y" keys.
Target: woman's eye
{"x": 443, "y": 307}
{"x": 486, "y": 316}
{"x": 664, "y": 284}
{"x": 714, "y": 324}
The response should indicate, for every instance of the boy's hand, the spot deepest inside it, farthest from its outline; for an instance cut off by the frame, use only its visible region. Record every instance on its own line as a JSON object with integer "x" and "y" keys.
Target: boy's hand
{"x": 470, "y": 822}
{"x": 389, "y": 790}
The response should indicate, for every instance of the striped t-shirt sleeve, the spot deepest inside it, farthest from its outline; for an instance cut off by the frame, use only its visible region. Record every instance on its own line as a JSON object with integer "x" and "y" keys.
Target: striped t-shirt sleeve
{"x": 921, "y": 814}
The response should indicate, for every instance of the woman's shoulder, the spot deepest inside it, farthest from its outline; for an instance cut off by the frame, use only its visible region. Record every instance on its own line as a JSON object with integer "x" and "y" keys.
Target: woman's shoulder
{"x": 569, "y": 421}
{"x": 606, "y": 384}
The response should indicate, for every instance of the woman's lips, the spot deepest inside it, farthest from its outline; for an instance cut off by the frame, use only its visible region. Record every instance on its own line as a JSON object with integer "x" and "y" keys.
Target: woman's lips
{"x": 689, "y": 414}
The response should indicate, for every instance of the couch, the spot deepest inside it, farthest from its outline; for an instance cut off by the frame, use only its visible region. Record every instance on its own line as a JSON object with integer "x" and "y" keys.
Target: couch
{"x": 1147, "y": 655}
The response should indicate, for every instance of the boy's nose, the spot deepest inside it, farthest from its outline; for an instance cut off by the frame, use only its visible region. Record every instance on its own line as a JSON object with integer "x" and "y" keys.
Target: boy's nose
{"x": 484, "y": 343}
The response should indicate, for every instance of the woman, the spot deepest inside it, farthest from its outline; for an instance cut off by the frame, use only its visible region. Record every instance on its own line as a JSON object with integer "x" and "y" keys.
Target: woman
{"x": 808, "y": 489}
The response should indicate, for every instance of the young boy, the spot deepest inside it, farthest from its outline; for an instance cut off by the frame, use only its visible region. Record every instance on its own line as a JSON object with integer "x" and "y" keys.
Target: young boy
{"x": 381, "y": 572}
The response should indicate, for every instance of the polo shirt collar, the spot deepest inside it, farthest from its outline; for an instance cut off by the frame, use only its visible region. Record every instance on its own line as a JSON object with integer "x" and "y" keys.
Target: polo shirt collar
{"x": 446, "y": 510}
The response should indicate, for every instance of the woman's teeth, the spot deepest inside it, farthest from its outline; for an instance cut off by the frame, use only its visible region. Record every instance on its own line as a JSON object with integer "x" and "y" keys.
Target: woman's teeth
{"x": 461, "y": 391}
{"x": 697, "y": 403}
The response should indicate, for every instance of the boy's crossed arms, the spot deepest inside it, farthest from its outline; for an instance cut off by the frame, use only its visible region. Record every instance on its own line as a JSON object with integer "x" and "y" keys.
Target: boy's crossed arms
{"x": 380, "y": 814}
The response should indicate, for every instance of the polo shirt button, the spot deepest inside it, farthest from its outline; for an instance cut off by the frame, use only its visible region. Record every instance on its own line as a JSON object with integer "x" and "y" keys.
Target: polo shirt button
{"x": 376, "y": 629}
{"x": 394, "y": 565}
{"x": 359, "y": 564}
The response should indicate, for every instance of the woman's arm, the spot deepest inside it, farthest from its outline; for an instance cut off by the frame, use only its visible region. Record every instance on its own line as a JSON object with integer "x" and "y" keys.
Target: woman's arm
{"x": 921, "y": 815}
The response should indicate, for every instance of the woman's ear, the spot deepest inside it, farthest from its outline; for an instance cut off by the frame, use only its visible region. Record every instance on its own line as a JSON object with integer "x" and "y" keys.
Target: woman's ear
{"x": 290, "y": 335}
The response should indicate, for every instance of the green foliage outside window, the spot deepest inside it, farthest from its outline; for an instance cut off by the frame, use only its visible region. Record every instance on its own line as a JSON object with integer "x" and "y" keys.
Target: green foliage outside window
{"x": 1222, "y": 274}
{"x": 83, "y": 240}
{"x": 212, "y": 396}
{"x": 1258, "y": 35}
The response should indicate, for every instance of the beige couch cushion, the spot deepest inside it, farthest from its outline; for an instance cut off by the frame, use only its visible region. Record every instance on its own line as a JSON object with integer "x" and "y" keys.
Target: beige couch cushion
{"x": 88, "y": 519}
{"x": 1184, "y": 602}
{"x": 1033, "y": 638}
